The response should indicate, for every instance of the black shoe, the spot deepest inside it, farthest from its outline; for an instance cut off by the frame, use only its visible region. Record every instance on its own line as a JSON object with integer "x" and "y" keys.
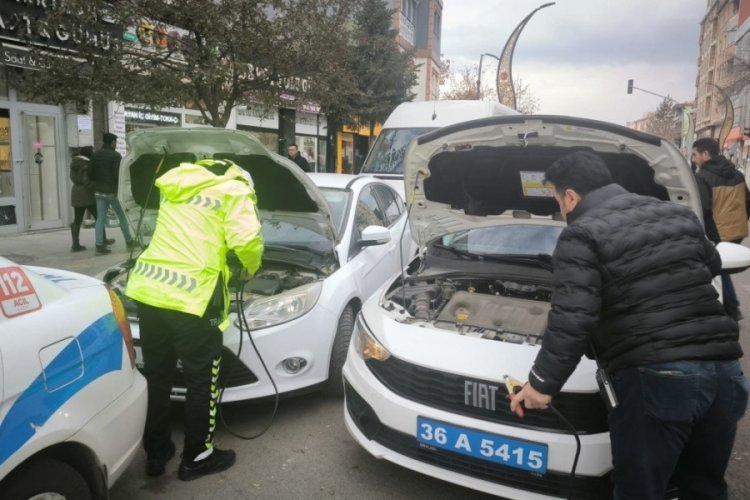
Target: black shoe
{"x": 77, "y": 248}
{"x": 102, "y": 250}
{"x": 109, "y": 241}
{"x": 219, "y": 460}
{"x": 132, "y": 245}
{"x": 155, "y": 465}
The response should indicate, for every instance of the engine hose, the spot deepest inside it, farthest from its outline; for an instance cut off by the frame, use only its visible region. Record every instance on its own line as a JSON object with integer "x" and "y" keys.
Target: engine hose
{"x": 243, "y": 327}
{"x": 422, "y": 306}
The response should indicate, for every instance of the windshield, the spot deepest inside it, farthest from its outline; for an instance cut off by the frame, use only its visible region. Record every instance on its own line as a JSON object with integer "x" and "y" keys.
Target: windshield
{"x": 281, "y": 233}
{"x": 515, "y": 239}
{"x": 338, "y": 200}
{"x": 387, "y": 154}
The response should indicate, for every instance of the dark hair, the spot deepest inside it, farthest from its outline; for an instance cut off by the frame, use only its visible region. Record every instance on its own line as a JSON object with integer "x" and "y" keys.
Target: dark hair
{"x": 109, "y": 138}
{"x": 86, "y": 151}
{"x": 706, "y": 144}
{"x": 581, "y": 171}
{"x": 293, "y": 144}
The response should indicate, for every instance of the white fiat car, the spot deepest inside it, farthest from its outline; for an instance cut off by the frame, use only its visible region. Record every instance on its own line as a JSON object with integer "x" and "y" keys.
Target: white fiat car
{"x": 330, "y": 242}
{"x": 72, "y": 404}
{"x": 424, "y": 377}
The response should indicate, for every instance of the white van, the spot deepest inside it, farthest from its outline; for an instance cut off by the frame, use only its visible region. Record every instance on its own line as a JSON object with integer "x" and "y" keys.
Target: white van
{"x": 411, "y": 119}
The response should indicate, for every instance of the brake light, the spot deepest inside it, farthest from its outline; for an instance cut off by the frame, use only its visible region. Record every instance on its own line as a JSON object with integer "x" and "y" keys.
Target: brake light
{"x": 122, "y": 321}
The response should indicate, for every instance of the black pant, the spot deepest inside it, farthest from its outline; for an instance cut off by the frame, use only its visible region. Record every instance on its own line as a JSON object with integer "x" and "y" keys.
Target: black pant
{"x": 166, "y": 336}
{"x": 676, "y": 419}
{"x": 79, "y": 212}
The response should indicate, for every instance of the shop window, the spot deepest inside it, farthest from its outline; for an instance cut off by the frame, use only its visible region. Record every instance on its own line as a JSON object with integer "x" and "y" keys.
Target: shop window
{"x": 307, "y": 146}
{"x": 269, "y": 138}
{"x": 7, "y": 188}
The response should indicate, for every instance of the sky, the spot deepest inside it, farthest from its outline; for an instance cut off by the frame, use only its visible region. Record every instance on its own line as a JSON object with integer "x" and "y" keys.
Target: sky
{"x": 577, "y": 55}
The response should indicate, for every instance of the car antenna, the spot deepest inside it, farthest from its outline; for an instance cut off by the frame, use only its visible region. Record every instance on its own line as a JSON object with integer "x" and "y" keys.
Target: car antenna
{"x": 434, "y": 113}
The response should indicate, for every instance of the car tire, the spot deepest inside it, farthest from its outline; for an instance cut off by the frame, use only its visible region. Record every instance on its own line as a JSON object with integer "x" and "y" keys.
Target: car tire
{"x": 45, "y": 476}
{"x": 335, "y": 384}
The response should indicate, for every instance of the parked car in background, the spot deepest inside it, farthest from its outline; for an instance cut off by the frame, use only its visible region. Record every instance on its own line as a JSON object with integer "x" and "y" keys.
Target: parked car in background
{"x": 424, "y": 377}
{"x": 73, "y": 405}
{"x": 385, "y": 159}
{"x": 330, "y": 242}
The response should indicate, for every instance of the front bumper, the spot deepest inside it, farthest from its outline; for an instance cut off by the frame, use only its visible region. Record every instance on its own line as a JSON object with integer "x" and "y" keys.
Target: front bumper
{"x": 385, "y": 424}
{"x": 243, "y": 377}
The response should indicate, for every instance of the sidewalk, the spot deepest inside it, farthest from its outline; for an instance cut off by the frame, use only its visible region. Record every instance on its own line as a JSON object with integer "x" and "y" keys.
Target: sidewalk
{"x": 52, "y": 249}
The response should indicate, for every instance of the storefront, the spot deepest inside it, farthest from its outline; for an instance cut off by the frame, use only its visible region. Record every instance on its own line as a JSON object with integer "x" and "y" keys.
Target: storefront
{"x": 33, "y": 160}
{"x": 260, "y": 121}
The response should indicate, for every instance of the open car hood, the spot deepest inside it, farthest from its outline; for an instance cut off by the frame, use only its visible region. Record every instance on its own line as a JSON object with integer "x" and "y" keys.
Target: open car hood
{"x": 489, "y": 171}
{"x": 284, "y": 191}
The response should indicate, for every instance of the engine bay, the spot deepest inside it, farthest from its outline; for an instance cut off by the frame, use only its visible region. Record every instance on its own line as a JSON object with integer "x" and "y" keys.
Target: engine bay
{"x": 495, "y": 309}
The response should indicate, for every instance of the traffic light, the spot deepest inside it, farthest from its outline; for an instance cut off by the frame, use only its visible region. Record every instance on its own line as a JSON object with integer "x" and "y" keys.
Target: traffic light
{"x": 630, "y": 86}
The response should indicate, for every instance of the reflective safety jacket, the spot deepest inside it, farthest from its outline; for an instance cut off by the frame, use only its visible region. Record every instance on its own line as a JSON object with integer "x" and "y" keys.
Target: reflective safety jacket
{"x": 201, "y": 217}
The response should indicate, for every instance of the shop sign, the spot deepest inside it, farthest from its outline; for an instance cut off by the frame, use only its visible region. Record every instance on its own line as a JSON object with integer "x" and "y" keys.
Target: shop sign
{"x": 146, "y": 116}
{"x": 26, "y": 22}
{"x": 11, "y": 56}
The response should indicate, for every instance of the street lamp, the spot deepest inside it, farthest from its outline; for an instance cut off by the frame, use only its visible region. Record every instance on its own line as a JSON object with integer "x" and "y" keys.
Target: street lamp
{"x": 479, "y": 77}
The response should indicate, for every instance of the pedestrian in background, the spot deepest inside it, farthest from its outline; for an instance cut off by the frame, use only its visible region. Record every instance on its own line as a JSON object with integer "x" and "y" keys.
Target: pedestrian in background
{"x": 105, "y": 174}
{"x": 82, "y": 195}
{"x": 180, "y": 285}
{"x": 632, "y": 283}
{"x": 296, "y": 157}
{"x": 726, "y": 206}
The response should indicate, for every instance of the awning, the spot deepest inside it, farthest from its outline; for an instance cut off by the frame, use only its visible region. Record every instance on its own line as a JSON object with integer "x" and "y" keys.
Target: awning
{"x": 734, "y": 135}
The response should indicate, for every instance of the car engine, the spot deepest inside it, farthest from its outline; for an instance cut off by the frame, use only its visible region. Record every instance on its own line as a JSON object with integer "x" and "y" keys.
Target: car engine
{"x": 494, "y": 309}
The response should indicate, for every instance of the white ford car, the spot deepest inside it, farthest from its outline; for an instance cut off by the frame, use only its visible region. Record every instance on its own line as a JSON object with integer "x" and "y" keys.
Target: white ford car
{"x": 425, "y": 369}
{"x": 72, "y": 404}
{"x": 330, "y": 242}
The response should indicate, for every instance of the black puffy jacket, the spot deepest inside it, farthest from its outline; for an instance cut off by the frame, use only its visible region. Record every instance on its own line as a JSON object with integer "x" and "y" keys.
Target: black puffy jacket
{"x": 633, "y": 274}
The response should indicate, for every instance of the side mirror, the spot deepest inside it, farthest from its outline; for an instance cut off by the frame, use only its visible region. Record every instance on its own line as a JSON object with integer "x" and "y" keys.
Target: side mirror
{"x": 376, "y": 235}
{"x": 734, "y": 258}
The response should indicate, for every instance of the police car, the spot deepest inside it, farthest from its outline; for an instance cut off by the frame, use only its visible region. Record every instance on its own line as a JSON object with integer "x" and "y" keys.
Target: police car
{"x": 73, "y": 405}
{"x": 424, "y": 376}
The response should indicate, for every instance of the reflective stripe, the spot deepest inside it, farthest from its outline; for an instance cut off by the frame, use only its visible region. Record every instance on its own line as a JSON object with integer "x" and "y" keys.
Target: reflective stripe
{"x": 162, "y": 274}
{"x": 205, "y": 202}
{"x": 214, "y": 391}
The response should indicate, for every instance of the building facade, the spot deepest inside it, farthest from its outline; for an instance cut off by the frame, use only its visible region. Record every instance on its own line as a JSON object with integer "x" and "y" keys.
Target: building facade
{"x": 719, "y": 70}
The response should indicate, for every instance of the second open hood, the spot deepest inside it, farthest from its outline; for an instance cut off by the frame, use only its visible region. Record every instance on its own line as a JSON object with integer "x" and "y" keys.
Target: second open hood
{"x": 284, "y": 191}
{"x": 483, "y": 172}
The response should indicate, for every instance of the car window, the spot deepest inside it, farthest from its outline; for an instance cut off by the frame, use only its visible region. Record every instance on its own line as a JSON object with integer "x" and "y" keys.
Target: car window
{"x": 390, "y": 202}
{"x": 338, "y": 200}
{"x": 387, "y": 155}
{"x": 367, "y": 212}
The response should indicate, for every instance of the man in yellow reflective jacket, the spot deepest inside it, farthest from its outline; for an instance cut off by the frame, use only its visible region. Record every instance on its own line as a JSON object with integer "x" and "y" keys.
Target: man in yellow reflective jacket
{"x": 180, "y": 283}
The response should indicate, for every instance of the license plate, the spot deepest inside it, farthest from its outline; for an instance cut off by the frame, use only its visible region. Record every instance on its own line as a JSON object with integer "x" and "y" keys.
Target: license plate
{"x": 483, "y": 445}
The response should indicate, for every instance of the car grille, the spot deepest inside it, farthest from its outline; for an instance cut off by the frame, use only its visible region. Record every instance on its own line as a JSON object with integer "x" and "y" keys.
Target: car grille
{"x": 234, "y": 373}
{"x": 554, "y": 484}
{"x": 586, "y": 412}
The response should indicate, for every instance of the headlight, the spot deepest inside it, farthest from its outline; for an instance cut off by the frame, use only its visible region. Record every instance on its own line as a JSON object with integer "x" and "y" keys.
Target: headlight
{"x": 365, "y": 343}
{"x": 270, "y": 311}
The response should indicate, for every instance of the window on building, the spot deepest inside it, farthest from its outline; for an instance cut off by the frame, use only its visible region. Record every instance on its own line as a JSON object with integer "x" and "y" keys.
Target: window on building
{"x": 408, "y": 7}
{"x": 436, "y": 27}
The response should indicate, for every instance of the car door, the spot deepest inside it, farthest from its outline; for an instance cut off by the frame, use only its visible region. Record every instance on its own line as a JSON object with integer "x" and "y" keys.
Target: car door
{"x": 372, "y": 265}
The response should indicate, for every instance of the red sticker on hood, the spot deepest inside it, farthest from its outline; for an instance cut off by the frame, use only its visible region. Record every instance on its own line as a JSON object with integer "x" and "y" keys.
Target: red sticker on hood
{"x": 17, "y": 294}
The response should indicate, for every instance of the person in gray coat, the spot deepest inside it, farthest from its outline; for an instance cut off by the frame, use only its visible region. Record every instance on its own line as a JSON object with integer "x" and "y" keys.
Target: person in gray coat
{"x": 82, "y": 195}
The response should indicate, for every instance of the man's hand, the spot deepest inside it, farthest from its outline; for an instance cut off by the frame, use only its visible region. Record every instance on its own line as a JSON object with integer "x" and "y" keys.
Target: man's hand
{"x": 246, "y": 276}
{"x": 531, "y": 399}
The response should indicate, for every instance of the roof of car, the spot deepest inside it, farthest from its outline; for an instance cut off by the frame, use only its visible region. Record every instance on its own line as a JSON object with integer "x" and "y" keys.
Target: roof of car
{"x": 335, "y": 181}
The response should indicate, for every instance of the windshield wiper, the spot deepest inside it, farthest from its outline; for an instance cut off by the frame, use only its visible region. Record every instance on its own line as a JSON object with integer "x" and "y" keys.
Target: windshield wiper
{"x": 455, "y": 251}
{"x": 542, "y": 260}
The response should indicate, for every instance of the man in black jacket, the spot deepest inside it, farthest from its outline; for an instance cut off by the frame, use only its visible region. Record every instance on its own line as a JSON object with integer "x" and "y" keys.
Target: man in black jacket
{"x": 726, "y": 206}
{"x": 296, "y": 157}
{"x": 632, "y": 278}
{"x": 105, "y": 175}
